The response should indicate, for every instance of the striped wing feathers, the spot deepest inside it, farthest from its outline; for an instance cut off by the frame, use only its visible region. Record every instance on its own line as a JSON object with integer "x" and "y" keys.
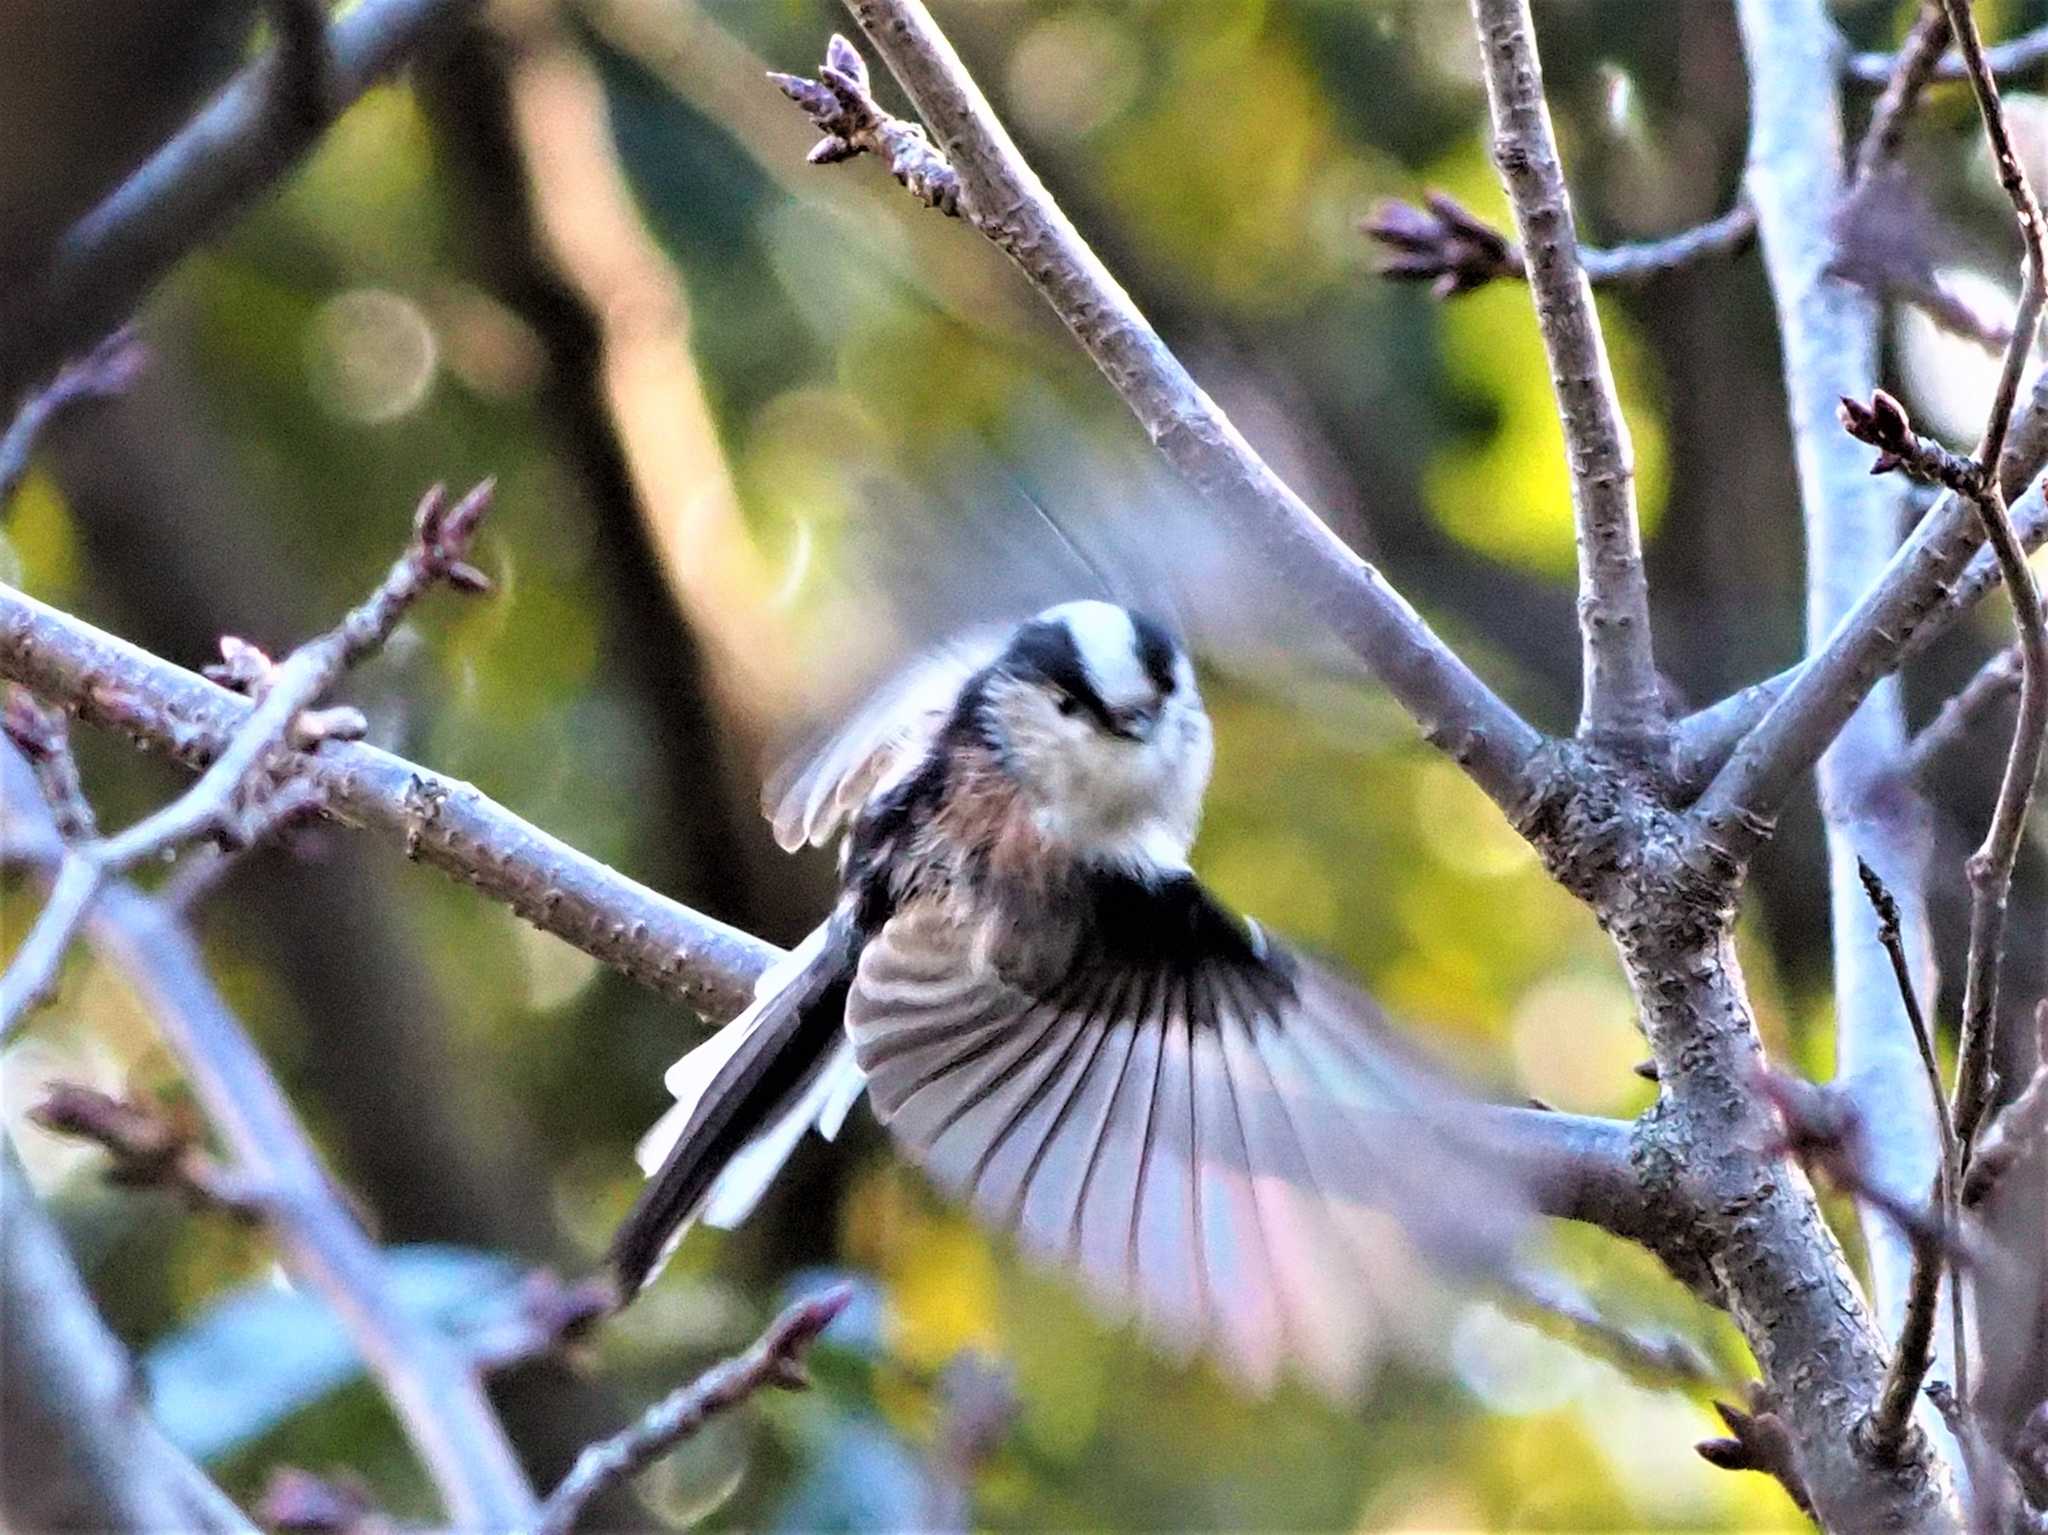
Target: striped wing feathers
{"x": 1219, "y": 1155}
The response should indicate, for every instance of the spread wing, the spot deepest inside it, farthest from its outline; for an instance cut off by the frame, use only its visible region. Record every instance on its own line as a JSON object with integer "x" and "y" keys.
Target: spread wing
{"x": 1216, "y": 1134}
{"x": 822, "y": 787}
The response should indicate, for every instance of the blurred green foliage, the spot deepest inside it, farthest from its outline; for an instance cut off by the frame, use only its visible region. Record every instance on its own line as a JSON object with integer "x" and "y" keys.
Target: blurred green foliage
{"x": 345, "y": 346}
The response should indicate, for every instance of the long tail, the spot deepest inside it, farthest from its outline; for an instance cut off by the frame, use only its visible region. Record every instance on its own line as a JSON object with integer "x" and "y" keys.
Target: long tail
{"x": 743, "y": 1100}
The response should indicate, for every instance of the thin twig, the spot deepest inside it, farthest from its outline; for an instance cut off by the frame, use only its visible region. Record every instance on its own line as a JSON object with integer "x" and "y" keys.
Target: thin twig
{"x": 2013, "y": 57}
{"x": 433, "y": 1390}
{"x": 1991, "y": 866}
{"x": 1004, "y": 199}
{"x": 775, "y": 1360}
{"x": 1455, "y": 251}
{"x": 108, "y": 369}
{"x": 149, "y": 1146}
{"x": 1913, "y": 68}
{"x": 221, "y": 162}
{"x": 2018, "y": 1130}
{"x": 1993, "y": 682}
{"x": 1914, "y": 1352}
{"x": 1649, "y": 1354}
{"x": 44, "y": 737}
{"x": 1621, "y": 698}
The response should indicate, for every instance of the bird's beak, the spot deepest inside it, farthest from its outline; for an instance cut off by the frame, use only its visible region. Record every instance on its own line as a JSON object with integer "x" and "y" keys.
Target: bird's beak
{"x": 1134, "y": 723}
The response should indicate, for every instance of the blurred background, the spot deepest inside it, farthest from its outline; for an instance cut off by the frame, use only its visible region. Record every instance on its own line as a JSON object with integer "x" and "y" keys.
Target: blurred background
{"x": 760, "y": 430}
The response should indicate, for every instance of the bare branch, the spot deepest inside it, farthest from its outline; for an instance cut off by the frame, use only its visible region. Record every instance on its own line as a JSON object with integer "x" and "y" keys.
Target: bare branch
{"x": 301, "y": 67}
{"x": 1914, "y": 1350}
{"x": 149, "y": 1146}
{"x": 1994, "y": 681}
{"x": 1456, "y": 251}
{"x": 1002, "y": 197}
{"x": 1930, "y": 583}
{"x": 218, "y": 164}
{"x": 2022, "y": 53}
{"x": 1650, "y": 1354}
{"x": 438, "y": 552}
{"x": 1621, "y": 696}
{"x": 2019, "y": 1129}
{"x": 775, "y": 1360}
{"x": 707, "y": 965}
{"x": 82, "y": 1450}
{"x": 431, "y": 1387}
{"x": 108, "y": 369}
{"x": 1991, "y": 866}
{"x": 1912, "y": 69}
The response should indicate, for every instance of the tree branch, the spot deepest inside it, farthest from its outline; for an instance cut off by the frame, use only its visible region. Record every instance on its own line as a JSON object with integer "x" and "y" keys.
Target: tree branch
{"x": 1621, "y": 698}
{"x": 1913, "y": 1351}
{"x": 443, "y": 822}
{"x": 108, "y": 369}
{"x": 437, "y": 553}
{"x": 223, "y": 160}
{"x": 1927, "y": 586}
{"x": 1913, "y": 67}
{"x": 775, "y": 1360}
{"x": 2013, "y": 57}
{"x": 1003, "y": 198}
{"x": 1991, "y": 866}
{"x": 1995, "y": 680}
{"x": 82, "y": 1450}
{"x": 433, "y": 1390}
{"x": 1455, "y": 251}
{"x": 2018, "y": 1129}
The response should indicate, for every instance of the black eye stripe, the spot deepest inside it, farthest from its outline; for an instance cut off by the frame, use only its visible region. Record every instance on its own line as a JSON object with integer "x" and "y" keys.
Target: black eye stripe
{"x": 1156, "y": 652}
{"x": 1047, "y": 651}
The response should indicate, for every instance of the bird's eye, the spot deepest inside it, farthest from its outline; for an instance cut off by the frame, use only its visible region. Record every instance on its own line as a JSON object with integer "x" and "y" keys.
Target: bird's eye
{"x": 1068, "y": 705}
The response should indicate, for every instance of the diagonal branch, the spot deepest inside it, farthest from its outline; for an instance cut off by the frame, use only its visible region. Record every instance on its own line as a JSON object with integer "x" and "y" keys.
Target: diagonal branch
{"x": 83, "y": 1452}
{"x": 775, "y": 1361}
{"x": 1620, "y": 694}
{"x": 1004, "y": 199}
{"x": 433, "y": 1390}
{"x": 236, "y": 149}
{"x": 438, "y": 820}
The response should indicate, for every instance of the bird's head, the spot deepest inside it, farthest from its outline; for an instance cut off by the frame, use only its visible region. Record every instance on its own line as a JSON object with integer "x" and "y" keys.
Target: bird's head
{"x": 1094, "y": 709}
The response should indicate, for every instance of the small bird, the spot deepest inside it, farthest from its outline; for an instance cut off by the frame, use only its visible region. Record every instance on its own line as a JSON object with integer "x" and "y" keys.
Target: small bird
{"x": 1062, "y": 1025}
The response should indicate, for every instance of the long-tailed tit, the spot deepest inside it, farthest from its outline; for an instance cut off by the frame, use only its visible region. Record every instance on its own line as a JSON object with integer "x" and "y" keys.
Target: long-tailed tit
{"x": 1063, "y": 1026}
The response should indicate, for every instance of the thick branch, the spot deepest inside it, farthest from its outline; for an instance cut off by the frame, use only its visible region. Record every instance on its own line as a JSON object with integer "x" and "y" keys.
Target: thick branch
{"x": 1005, "y": 200}
{"x": 435, "y": 1393}
{"x": 82, "y": 1450}
{"x": 213, "y": 168}
{"x": 1621, "y": 697}
{"x": 775, "y": 1360}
